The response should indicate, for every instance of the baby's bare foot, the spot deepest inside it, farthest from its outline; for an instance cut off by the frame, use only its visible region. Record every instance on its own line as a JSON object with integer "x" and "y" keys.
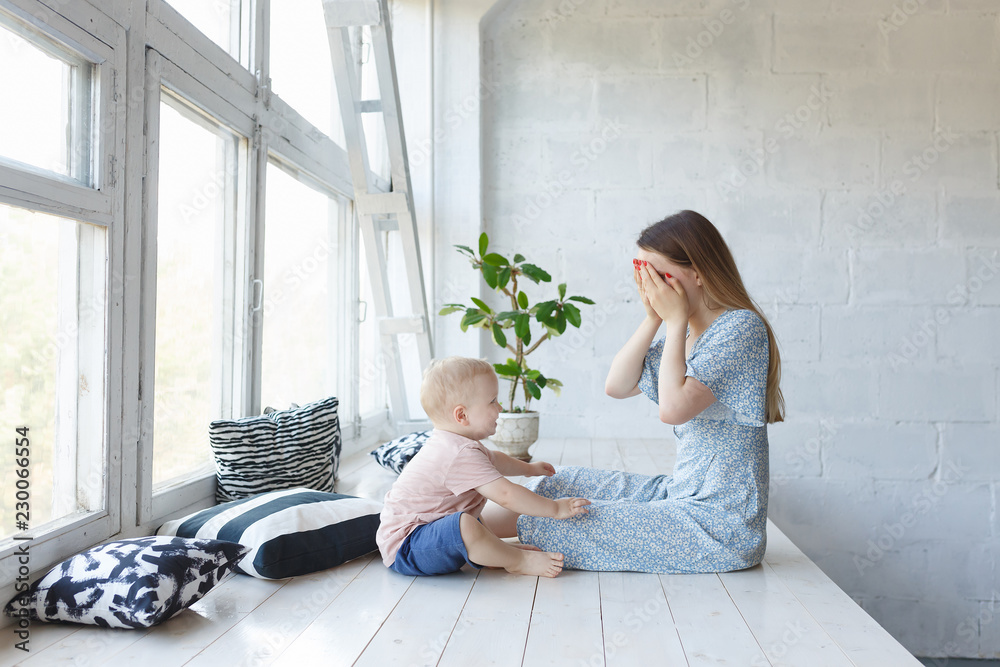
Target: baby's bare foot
{"x": 538, "y": 564}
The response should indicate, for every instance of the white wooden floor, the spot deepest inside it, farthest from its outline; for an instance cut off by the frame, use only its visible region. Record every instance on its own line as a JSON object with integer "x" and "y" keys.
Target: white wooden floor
{"x": 782, "y": 612}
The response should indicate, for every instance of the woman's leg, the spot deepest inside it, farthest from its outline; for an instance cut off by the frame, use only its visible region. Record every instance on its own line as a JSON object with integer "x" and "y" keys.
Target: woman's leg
{"x": 621, "y": 536}
{"x": 594, "y": 484}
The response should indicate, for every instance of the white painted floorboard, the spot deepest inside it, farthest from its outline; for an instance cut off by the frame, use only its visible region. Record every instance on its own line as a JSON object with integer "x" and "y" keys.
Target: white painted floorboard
{"x": 782, "y": 612}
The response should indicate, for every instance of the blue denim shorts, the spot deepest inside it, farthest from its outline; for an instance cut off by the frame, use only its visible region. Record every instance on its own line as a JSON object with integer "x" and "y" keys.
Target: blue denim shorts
{"x": 433, "y": 548}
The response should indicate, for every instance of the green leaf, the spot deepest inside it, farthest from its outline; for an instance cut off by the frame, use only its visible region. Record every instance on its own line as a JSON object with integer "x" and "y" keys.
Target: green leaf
{"x": 562, "y": 291}
{"x": 471, "y": 318}
{"x": 490, "y": 275}
{"x": 533, "y": 375}
{"x": 544, "y": 312}
{"x": 522, "y": 300}
{"x": 506, "y": 315}
{"x": 448, "y": 310}
{"x": 503, "y": 277}
{"x": 536, "y": 274}
{"x": 572, "y": 314}
{"x": 465, "y": 248}
{"x": 560, "y": 318}
{"x": 484, "y": 241}
{"x": 518, "y": 258}
{"x": 582, "y": 299}
{"x": 522, "y": 326}
{"x": 482, "y": 305}
{"x": 495, "y": 259}
{"x": 509, "y": 369}
{"x": 533, "y": 389}
{"x": 498, "y": 336}
{"x": 541, "y": 380}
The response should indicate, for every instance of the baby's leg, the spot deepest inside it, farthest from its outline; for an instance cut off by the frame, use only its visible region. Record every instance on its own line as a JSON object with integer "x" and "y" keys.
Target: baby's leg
{"x": 500, "y": 520}
{"x": 487, "y": 549}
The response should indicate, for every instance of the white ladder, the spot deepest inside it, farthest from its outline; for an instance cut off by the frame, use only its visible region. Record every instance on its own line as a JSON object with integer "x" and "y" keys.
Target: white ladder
{"x": 379, "y": 211}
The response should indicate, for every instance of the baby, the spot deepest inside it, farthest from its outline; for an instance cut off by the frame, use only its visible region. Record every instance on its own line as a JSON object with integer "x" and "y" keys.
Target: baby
{"x": 431, "y": 520}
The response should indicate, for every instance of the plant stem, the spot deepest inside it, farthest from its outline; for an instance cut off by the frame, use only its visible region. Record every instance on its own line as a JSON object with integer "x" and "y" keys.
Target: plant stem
{"x": 537, "y": 343}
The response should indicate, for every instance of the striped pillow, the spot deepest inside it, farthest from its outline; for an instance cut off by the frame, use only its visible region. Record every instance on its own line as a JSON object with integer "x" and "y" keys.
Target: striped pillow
{"x": 280, "y": 450}
{"x": 290, "y": 532}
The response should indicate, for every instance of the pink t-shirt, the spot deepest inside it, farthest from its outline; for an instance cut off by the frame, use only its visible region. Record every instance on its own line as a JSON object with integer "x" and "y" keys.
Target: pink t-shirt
{"x": 440, "y": 480}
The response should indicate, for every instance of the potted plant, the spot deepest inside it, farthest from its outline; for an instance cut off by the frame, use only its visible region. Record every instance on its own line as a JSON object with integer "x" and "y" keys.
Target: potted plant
{"x": 511, "y": 329}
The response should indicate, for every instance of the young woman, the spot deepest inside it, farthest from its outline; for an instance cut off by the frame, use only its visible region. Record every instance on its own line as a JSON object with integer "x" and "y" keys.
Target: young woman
{"x": 714, "y": 374}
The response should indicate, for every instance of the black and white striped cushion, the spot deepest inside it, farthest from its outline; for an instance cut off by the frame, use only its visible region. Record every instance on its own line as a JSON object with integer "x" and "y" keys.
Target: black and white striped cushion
{"x": 289, "y": 533}
{"x": 280, "y": 450}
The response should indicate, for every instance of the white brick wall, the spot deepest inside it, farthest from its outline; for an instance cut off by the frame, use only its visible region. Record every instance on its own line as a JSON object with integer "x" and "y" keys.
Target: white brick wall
{"x": 848, "y": 150}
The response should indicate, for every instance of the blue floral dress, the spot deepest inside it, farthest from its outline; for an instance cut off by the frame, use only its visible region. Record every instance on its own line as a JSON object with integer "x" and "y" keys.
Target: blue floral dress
{"x": 711, "y": 515}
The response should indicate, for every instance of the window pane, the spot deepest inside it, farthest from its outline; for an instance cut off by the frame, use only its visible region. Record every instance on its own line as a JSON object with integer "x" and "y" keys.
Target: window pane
{"x": 301, "y": 296}
{"x": 52, "y": 314}
{"x": 301, "y": 72}
{"x": 51, "y": 107}
{"x": 198, "y": 176}
{"x": 218, "y": 19}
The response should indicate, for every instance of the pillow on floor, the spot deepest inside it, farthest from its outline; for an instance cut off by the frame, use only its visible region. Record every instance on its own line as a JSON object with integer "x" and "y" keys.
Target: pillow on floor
{"x": 134, "y": 583}
{"x": 289, "y": 533}
{"x": 395, "y": 454}
{"x": 283, "y": 449}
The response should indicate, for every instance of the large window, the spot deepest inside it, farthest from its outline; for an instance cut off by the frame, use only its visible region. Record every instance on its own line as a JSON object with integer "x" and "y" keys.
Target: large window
{"x": 200, "y": 169}
{"x": 301, "y": 287}
{"x": 176, "y": 246}
{"x": 52, "y": 110}
{"x": 61, "y": 230}
{"x": 52, "y": 313}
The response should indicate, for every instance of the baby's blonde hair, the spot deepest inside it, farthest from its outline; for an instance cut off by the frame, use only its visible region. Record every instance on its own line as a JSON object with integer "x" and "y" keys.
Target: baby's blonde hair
{"x": 449, "y": 382}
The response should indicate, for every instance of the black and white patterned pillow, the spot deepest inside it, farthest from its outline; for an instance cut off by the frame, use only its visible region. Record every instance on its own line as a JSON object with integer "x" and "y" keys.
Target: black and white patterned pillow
{"x": 133, "y": 583}
{"x": 283, "y": 449}
{"x": 289, "y": 533}
{"x": 395, "y": 454}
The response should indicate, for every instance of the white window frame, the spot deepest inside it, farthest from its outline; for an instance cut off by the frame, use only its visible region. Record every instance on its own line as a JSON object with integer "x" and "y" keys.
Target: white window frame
{"x": 101, "y": 203}
{"x": 161, "y": 48}
{"x": 228, "y": 92}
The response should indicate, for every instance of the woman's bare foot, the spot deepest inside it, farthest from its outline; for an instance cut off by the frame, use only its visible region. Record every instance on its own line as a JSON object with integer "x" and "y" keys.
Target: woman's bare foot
{"x": 538, "y": 563}
{"x": 526, "y": 547}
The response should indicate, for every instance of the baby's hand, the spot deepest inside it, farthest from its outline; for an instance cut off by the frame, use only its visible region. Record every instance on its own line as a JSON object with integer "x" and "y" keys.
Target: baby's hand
{"x": 542, "y": 468}
{"x": 570, "y": 507}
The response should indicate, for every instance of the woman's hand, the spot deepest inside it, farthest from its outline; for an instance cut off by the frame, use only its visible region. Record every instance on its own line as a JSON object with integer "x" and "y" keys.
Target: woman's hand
{"x": 666, "y": 297}
{"x": 570, "y": 507}
{"x": 540, "y": 468}
{"x": 637, "y": 272}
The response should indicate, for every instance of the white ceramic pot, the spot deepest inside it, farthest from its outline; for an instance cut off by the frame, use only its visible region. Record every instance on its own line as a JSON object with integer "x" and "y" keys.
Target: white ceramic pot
{"x": 516, "y": 431}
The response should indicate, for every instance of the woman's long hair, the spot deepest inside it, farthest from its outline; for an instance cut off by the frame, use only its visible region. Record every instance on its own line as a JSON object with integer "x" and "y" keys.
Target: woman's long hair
{"x": 689, "y": 239}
